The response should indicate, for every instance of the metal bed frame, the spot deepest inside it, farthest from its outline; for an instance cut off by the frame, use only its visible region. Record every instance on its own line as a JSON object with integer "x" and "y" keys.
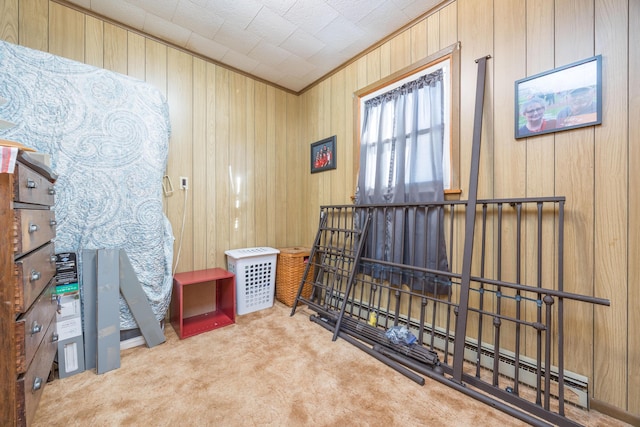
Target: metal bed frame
{"x": 513, "y": 331}
{"x": 496, "y": 335}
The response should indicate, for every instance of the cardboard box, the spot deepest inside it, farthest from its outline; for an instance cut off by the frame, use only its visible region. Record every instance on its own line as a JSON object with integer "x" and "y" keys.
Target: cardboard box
{"x": 69, "y": 316}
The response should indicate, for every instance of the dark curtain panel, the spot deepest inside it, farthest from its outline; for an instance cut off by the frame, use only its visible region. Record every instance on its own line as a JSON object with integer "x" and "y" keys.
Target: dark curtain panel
{"x": 401, "y": 159}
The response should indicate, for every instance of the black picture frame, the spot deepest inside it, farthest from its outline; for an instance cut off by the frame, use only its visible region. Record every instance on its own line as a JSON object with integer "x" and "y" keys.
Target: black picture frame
{"x": 323, "y": 155}
{"x": 564, "y": 98}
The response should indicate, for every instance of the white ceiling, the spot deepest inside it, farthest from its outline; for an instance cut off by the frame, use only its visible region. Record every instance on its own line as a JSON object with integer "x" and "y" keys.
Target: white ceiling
{"x": 291, "y": 43}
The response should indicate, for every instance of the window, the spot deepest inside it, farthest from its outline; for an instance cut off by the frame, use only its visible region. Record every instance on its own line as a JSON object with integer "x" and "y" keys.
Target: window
{"x": 405, "y": 156}
{"x": 439, "y": 69}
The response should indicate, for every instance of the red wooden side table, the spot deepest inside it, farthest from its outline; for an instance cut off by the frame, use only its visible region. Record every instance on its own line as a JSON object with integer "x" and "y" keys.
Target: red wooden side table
{"x": 203, "y": 300}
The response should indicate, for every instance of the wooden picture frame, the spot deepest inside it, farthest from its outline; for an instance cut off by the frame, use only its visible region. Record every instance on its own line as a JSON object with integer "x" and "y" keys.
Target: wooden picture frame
{"x": 323, "y": 155}
{"x": 564, "y": 98}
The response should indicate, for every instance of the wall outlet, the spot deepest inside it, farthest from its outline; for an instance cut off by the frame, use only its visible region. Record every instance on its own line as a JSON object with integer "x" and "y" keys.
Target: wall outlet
{"x": 184, "y": 183}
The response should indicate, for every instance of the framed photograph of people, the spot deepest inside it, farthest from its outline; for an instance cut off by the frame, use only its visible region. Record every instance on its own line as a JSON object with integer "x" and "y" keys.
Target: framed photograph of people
{"x": 565, "y": 98}
{"x": 323, "y": 155}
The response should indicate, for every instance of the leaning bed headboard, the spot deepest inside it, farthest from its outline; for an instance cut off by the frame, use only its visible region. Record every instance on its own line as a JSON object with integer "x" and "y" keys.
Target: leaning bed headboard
{"x": 107, "y": 136}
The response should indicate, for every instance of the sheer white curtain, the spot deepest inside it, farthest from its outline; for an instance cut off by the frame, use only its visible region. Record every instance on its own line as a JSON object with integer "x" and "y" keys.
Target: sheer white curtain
{"x": 401, "y": 161}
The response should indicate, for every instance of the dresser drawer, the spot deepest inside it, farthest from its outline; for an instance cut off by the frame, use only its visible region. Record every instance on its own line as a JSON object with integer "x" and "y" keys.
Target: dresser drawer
{"x": 31, "y": 187}
{"x": 27, "y": 276}
{"x": 35, "y": 228}
{"x": 33, "y": 273}
{"x": 32, "y": 326}
{"x": 29, "y": 386}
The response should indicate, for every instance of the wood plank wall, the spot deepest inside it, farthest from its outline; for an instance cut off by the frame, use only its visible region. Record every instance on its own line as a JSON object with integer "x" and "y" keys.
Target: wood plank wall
{"x": 593, "y": 167}
{"x": 235, "y": 138}
{"x": 245, "y": 145}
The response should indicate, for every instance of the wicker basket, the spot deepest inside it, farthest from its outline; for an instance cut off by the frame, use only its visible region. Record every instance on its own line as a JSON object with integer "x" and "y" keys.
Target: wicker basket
{"x": 289, "y": 271}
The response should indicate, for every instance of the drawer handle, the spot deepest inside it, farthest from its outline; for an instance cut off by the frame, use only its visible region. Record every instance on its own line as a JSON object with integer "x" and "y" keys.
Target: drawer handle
{"x": 31, "y": 183}
{"x": 53, "y": 259}
{"x": 37, "y": 384}
{"x": 36, "y": 328}
{"x": 53, "y": 223}
{"x": 35, "y": 275}
{"x": 52, "y": 191}
{"x": 54, "y": 337}
{"x": 33, "y": 228}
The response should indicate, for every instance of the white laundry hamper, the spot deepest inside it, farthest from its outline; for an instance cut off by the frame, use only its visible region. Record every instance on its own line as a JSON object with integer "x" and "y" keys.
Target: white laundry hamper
{"x": 255, "y": 270}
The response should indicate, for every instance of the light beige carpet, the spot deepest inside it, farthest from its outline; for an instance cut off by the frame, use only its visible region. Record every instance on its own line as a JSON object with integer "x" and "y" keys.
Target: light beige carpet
{"x": 269, "y": 369}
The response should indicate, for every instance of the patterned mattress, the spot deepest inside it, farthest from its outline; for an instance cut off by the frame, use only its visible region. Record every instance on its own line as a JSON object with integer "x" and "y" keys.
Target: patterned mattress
{"x": 107, "y": 136}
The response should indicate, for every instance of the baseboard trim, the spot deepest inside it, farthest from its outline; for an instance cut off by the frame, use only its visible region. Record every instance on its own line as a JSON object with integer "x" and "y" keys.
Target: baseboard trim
{"x": 133, "y": 337}
{"x": 132, "y": 342}
{"x": 612, "y": 411}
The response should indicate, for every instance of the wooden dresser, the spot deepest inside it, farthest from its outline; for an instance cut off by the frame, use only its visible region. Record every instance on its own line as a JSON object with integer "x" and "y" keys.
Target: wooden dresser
{"x": 27, "y": 288}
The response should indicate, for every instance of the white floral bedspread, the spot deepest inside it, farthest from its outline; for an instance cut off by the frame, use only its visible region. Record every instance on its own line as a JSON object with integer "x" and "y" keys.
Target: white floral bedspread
{"x": 107, "y": 135}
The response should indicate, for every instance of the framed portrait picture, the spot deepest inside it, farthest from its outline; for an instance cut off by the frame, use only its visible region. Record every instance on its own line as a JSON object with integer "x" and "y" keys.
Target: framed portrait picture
{"x": 323, "y": 155}
{"x": 564, "y": 98}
